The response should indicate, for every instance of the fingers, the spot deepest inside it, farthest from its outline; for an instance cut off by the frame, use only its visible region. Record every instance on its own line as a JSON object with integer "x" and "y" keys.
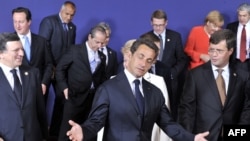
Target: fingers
{"x": 204, "y": 134}
{"x": 72, "y": 123}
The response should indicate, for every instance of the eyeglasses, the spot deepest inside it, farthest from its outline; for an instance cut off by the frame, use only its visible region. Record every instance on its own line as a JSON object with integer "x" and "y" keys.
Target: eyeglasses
{"x": 158, "y": 25}
{"x": 217, "y": 51}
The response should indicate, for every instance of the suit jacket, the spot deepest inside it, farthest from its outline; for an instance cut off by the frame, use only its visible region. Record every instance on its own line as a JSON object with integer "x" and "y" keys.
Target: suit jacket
{"x": 158, "y": 81}
{"x": 25, "y": 120}
{"x": 244, "y": 65}
{"x": 115, "y": 108}
{"x": 73, "y": 72}
{"x": 157, "y": 133}
{"x": 111, "y": 67}
{"x": 200, "y": 107}
{"x": 51, "y": 28}
{"x": 173, "y": 53}
{"x": 41, "y": 58}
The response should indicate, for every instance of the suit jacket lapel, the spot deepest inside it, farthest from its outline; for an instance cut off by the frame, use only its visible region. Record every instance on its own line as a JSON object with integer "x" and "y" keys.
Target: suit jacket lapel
{"x": 147, "y": 91}
{"x": 124, "y": 85}
{"x": 25, "y": 76}
{"x": 60, "y": 27}
{"x": 5, "y": 86}
{"x": 231, "y": 85}
{"x": 32, "y": 46}
{"x": 85, "y": 56}
{"x": 102, "y": 59}
{"x": 210, "y": 80}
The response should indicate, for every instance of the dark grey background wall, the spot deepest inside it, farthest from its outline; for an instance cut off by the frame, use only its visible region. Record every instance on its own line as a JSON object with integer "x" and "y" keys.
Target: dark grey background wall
{"x": 127, "y": 18}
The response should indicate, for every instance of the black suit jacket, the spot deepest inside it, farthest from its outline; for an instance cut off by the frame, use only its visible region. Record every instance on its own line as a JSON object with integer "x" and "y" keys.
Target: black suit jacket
{"x": 173, "y": 53}
{"x": 200, "y": 107}
{"x": 41, "y": 58}
{"x": 73, "y": 72}
{"x": 25, "y": 120}
{"x": 246, "y": 64}
{"x": 51, "y": 28}
{"x": 115, "y": 108}
{"x": 111, "y": 67}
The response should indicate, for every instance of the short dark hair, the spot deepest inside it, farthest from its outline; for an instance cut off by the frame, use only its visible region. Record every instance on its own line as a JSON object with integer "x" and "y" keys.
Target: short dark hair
{"x": 24, "y": 10}
{"x": 146, "y": 42}
{"x": 151, "y": 37}
{"x": 7, "y": 37}
{"x": 224, "y": 34}
{"x": 69, "y": 3}
{"x": 159, "y": 14}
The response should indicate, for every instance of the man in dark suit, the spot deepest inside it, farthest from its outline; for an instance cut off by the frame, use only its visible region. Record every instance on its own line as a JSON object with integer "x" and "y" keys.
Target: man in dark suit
{"x": 111, "y": 55}
{"x": 203, "y": 107}
{"x": 237, "y": 26}
{"x": 78, "y": 79}
{"x": 60, "y": 32}
{"x": 22, "y": 110}
{"x": 159, "y": 68}
{"x": 116, "y": 107}
{"x": 40, "y": 54}
{"x": 173, "y": 57}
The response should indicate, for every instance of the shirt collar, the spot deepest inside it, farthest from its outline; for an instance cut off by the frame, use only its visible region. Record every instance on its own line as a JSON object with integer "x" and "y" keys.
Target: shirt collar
{"x": 28, "y": 35}
{"x": 7, "y": 69}
{"x": 225, "y": 68}
{"x": 131, "y": 77}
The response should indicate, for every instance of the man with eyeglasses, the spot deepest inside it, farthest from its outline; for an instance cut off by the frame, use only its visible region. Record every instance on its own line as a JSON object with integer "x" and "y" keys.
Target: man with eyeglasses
{"x": 215, "y": 92}
{"x": 172, "y": 55}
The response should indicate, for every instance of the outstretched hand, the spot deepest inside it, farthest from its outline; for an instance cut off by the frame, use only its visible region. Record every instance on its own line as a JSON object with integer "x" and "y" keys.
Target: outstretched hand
{"x": 201, "y": 136}
{"x": 75, "y": 133}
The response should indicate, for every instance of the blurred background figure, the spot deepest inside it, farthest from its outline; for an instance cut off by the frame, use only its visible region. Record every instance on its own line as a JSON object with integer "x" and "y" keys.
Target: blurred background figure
{"x": 60, "y": 32}
{"x": 242, "y": 29}
{"x": 111, "y": 55}
{"x": 172, "y": 55}
{"x": 198, "y": 40}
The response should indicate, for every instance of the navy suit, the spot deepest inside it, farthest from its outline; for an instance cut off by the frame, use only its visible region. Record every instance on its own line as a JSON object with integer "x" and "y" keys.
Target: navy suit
{"x": 41, "y": 58}
{"x": 51, "y": 28}
{"x": 115, "y": 108}
{"x": 201, "y": 108}
{"x": 25, "y": 120}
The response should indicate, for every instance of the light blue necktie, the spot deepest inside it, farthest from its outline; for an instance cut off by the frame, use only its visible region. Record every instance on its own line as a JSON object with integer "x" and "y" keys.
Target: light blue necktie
{"x": 93, "y": 65}
{"x": 27, "y": 47}
{"x": 93, "y": 62}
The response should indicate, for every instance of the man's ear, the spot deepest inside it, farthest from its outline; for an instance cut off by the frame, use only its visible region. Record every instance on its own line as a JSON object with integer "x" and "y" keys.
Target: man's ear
{"x": 155, "y": 60}
{"x": 231, "y": 50}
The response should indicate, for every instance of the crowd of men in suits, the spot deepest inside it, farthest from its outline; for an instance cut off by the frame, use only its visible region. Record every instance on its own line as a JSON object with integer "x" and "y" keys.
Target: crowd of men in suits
{"x": 80, "y": 73}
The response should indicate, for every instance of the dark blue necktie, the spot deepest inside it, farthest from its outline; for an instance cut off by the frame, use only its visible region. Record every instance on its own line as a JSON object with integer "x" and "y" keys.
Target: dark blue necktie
{"x": 17, "y": 86}
{"x": 138, "y": 96}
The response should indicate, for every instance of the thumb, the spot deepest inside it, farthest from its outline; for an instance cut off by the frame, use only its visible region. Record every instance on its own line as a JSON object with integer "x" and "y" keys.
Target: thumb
{"x": 72, "y": 123}
{"x": 204, "y": 134}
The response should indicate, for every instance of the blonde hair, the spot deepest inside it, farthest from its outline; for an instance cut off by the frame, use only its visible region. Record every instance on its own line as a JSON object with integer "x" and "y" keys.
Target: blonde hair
{"x": 215, "y": 17}
{"x": 126, "y": 47}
